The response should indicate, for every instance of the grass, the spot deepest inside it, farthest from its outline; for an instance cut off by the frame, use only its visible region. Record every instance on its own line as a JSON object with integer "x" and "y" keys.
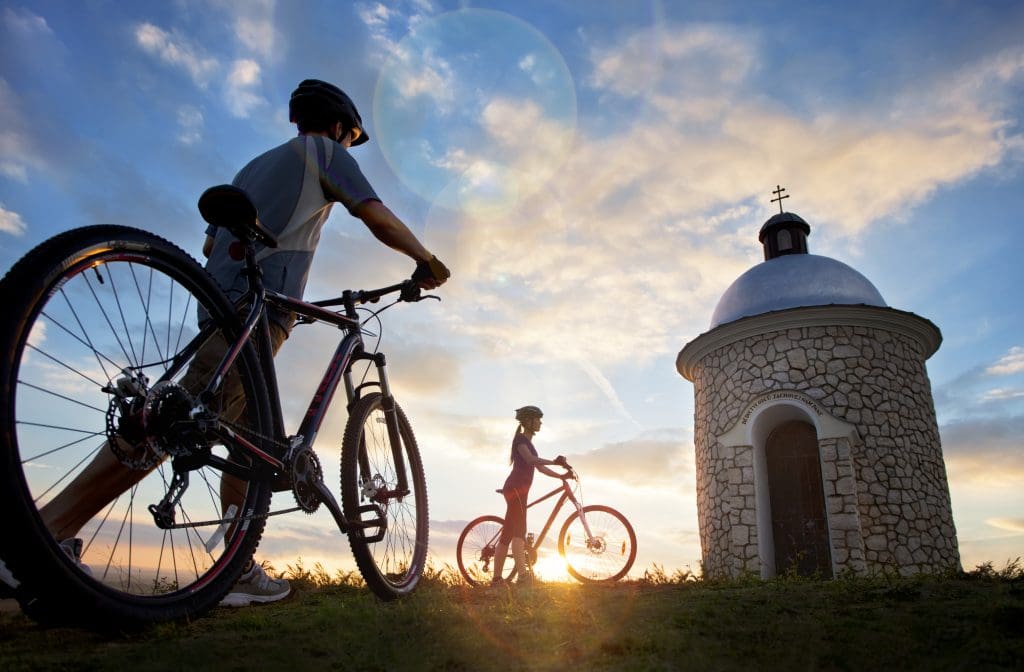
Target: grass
{"x": 663, "y": 621}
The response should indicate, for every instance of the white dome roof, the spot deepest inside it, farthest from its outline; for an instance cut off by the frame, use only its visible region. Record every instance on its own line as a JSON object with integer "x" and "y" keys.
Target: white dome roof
{"x": 794, "y": 281}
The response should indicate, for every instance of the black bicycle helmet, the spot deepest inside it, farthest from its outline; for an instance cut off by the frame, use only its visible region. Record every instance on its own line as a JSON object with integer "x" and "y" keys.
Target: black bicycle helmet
{"x": 528, "y": 412}
{"x": 316, "y": 98}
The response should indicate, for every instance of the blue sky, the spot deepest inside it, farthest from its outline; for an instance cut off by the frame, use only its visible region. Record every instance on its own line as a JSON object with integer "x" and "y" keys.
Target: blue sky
{"x": 595, "y": 175}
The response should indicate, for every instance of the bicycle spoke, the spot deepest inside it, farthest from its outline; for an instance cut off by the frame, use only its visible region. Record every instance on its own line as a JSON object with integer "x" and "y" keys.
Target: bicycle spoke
{"x": 70, "y": 471}
{"x": 66, "y": 366}
{"x": 103, "y": 311}
{"x": 62, "y": 396}
{"x": 88, "y": 341}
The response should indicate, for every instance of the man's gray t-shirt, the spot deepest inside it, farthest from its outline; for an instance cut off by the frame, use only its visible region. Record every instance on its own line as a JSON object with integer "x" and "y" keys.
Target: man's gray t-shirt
{"x": 293, "y": 187}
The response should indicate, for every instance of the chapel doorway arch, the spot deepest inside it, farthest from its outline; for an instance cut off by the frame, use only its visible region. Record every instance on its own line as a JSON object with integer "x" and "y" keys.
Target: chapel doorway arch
{"x": 798, "y": 518}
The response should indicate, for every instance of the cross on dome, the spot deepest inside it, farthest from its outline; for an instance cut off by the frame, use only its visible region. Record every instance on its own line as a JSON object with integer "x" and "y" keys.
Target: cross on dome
{"x": 778, "y": 192}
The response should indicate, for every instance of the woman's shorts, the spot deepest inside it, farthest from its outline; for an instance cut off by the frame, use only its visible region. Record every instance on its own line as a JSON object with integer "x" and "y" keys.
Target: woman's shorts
{"x": 515, "y": 515}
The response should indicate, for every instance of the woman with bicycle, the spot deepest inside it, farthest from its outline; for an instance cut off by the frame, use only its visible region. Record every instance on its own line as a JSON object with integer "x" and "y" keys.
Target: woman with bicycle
{"x": 524, "y": 459}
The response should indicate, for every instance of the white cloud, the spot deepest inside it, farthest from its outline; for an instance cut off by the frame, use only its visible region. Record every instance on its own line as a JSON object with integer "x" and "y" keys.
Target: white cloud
{"x": 1009, "y": 524}
{"x": 23, "y": 21}
{"x": 1010, "y": 363}
{"x": 705, "y": 106}
{"x": 658, "y": 458}
{"x": 11, "y": 222}
{"x": 681, "y": 61}
{"x": 624, "y": 250}
{"x": 190, "y": 119}
{"x": 985, "y": 450}
{"x": 416, "y": 75}
{"x": 176, "y": 51}
{"x": 1002, "y": 394}
{"x": 375, "y": 16}
{"x": 239, "y": 89}
{"x": 255, "y": 27}
{"x": 18, "y": 153}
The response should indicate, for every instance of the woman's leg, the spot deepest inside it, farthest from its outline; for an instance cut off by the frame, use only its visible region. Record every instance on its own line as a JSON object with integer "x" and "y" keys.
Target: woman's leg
{"x": 513, "y": 535}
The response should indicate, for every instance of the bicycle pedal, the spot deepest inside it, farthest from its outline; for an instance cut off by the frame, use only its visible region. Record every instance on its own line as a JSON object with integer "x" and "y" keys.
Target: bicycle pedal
{"x": 380, "y": 522}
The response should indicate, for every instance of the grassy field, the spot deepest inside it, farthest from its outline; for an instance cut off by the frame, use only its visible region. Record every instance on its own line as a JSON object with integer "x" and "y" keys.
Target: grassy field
{"x": 972, "y": 621}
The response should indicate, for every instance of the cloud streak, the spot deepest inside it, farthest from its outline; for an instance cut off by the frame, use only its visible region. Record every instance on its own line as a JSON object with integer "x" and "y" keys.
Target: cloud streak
{"x": 1009, "y": 364}
{"x": 986, "y": 450}
{"x": 176, "y": 51}
{"x": 11, "y": 222}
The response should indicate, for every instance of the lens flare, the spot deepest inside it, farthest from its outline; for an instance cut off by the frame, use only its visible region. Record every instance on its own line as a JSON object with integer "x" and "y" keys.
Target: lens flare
{"x": 475, "y": 110}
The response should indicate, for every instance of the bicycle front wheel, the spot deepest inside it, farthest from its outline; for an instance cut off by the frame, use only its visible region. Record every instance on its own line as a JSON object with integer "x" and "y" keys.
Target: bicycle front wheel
{"x": 101, "y": 328}
{"x": 389, "y": 525}
{"x": 475, "y": 552}
{"x": 606, "y": 554}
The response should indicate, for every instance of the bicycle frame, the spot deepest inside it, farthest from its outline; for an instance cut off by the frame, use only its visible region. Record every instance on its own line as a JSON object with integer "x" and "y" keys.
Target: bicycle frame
{"x": 350, "y": 350}
{"x": 566, "y": 495}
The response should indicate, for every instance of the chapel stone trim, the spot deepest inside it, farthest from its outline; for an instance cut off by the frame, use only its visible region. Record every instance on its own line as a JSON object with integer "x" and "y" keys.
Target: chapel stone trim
{"x": 835, "y": 438}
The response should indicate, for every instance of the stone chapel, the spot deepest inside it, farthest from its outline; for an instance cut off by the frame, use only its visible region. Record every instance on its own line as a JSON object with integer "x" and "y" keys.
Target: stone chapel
{"x": 817, "y": 447}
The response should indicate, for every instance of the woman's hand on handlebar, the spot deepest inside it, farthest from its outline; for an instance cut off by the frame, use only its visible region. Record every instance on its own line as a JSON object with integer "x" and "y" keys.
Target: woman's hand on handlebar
{"x": 570, "y": 473}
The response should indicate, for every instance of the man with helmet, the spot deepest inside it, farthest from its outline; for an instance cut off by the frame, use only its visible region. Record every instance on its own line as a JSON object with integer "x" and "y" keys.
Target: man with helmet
{"x": 524, "y": 459}
{"x": 293, "y": 187}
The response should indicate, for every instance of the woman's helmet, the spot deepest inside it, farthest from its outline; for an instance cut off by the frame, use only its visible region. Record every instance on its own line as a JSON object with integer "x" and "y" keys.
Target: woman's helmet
{"x": 317, "y": 99}
{"x": 528, "y": 412}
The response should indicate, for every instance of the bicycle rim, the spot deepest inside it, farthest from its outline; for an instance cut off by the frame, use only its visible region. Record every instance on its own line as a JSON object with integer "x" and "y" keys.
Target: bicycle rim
{"x": 100, "y": 309}
{"x": 391, "y": 550}
{"x": 607, "y": 555}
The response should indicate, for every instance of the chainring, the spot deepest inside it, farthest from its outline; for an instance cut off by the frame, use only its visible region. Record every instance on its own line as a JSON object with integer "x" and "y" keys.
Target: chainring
{"x": 306, "y": 472}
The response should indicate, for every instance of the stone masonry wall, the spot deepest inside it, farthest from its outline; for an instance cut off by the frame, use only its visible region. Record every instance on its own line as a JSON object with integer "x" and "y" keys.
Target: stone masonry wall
{"x": 892, "y": 485}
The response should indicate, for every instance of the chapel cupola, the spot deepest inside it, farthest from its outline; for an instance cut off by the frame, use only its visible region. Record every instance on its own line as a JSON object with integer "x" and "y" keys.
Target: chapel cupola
{"x": 785, "y": 233}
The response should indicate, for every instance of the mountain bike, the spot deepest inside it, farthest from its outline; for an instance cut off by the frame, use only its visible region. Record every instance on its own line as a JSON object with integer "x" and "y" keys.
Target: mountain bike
{"x": 597, "y": 542}
{"x": 102, "y": 326}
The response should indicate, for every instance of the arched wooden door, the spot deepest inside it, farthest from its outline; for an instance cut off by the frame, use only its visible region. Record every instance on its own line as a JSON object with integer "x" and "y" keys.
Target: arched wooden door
{"x": 798, "y": 503}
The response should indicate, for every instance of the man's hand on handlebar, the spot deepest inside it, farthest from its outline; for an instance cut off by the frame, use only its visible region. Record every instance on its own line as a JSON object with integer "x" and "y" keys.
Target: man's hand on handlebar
{"x": 431, "y": 274}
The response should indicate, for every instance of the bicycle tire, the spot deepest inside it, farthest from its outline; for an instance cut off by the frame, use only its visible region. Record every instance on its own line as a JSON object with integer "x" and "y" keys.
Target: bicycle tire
{"x": 391, "y": 566}
{"x": 59, "y": 362}
{"x": 607, "y": 560}
{"x": 474, "y": 552}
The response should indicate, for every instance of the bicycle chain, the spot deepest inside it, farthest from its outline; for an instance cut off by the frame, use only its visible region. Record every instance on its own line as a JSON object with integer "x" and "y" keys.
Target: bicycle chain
{"x": 222, "y": 521}
{"x": 153, "y": 456}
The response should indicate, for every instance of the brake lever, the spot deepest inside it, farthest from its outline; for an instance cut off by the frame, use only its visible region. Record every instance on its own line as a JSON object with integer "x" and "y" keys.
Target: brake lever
{"x": 411, "y": 293}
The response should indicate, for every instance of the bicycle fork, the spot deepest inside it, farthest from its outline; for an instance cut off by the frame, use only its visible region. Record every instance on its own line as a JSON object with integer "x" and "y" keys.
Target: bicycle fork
{"x": 394, "y": 434}
{"x": 583, "y": 519}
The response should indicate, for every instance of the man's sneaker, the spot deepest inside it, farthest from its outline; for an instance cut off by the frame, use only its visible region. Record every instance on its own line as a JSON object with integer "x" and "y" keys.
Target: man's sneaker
{"x": 256, "y": 586}
{"x": 7, "y": 581}
{"x": 73, "y": 547}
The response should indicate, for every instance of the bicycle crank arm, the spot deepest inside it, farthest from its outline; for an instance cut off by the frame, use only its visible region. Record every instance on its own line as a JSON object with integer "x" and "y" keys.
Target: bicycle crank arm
{"x": 328, "y": 500}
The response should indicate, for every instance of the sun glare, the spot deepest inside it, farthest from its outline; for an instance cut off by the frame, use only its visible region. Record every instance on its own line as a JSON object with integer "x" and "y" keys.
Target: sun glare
{"x": 551, "y": 568}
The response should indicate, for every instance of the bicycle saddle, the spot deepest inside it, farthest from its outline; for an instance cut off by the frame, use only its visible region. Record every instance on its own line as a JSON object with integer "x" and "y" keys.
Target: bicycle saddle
{"x": 228, "y": 206}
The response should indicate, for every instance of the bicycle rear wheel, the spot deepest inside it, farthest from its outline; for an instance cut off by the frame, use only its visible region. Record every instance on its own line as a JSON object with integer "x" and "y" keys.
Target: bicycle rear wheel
{"x": 102, "y": 325}
{"x": 475, "y": 551}
{"x": 389, "y": 528}
{"x": 607, "y": 554}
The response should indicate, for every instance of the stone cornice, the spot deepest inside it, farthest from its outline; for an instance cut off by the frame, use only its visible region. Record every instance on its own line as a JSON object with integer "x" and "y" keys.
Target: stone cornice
{"x": 922, "y": 330}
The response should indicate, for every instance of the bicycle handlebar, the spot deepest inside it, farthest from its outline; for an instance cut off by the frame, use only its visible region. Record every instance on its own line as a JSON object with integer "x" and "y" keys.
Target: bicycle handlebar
{"x": 409, "y": 291}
